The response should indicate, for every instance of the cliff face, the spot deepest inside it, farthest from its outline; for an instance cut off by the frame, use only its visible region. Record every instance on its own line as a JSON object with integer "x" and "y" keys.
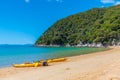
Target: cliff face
{"x": 98, "y": 25}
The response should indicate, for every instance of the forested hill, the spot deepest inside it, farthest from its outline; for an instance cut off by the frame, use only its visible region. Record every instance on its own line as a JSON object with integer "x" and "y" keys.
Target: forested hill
{"x": 98, "y": 25}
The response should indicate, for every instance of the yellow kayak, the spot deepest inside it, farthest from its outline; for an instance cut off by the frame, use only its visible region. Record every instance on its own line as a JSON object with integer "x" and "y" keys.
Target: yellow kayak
{"x": 57, "y": 60}
{"x": 28, "y": 65}
{"x": 41, "y": 63}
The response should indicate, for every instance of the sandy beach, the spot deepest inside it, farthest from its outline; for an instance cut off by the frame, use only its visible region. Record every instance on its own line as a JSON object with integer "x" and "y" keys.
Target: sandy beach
{"x": 96, "y": 66}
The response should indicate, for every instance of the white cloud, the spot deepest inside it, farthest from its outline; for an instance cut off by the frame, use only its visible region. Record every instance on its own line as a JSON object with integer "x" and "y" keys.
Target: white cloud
{"x": 107, "y": 1}
{"x": 27, "y": 1}
{"x": 117, "y": 3}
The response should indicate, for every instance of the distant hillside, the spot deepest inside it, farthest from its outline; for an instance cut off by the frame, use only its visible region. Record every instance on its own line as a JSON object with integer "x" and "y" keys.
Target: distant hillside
{"x": 98, "y": 25}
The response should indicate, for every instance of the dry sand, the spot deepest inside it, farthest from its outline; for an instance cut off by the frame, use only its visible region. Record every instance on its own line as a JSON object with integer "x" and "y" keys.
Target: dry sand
{"x": 97, "y": 66}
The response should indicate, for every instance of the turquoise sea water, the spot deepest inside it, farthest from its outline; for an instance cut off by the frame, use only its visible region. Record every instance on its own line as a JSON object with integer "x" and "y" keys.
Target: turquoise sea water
{"x": 19, "y": 54}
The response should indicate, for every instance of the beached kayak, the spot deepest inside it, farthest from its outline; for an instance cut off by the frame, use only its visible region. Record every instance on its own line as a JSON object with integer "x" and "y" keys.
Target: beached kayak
{"x": 56, "y": 60}
{"x": 28, "y": 65}
{"x": 41, "y": 63}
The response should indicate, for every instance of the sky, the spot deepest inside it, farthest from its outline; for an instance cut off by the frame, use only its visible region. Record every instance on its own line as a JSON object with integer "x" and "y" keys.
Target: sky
{"x": 24, "y": 21}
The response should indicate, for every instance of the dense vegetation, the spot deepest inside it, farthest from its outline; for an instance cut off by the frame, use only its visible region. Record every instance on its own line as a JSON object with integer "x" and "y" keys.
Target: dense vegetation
{"x": 98, "y": 25}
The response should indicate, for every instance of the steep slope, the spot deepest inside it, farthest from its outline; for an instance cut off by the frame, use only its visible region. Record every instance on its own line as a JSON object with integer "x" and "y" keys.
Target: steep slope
{"x": 95, "y": 25}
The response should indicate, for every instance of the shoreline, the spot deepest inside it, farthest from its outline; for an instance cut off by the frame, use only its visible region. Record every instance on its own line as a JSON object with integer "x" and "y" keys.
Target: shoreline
{"x": 75, "y": 68}
{"x": 106, "y": 49}
{"x": 77, "y": 53}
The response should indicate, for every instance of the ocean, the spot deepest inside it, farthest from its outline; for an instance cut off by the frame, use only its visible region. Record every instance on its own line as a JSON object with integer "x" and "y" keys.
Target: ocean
{"x": 19, "y": 54}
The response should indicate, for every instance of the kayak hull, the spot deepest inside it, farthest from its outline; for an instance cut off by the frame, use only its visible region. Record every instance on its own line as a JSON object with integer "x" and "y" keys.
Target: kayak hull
{"x": 56, "y": 60}
{"x": 27, "y": 65}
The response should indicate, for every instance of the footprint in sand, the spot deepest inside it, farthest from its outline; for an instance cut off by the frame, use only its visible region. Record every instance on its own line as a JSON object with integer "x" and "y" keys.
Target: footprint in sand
{"x": 67, "y": 68}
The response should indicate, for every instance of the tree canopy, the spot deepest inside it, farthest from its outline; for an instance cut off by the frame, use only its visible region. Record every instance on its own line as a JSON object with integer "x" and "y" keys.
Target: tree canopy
{"x": 95, "y": 25}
